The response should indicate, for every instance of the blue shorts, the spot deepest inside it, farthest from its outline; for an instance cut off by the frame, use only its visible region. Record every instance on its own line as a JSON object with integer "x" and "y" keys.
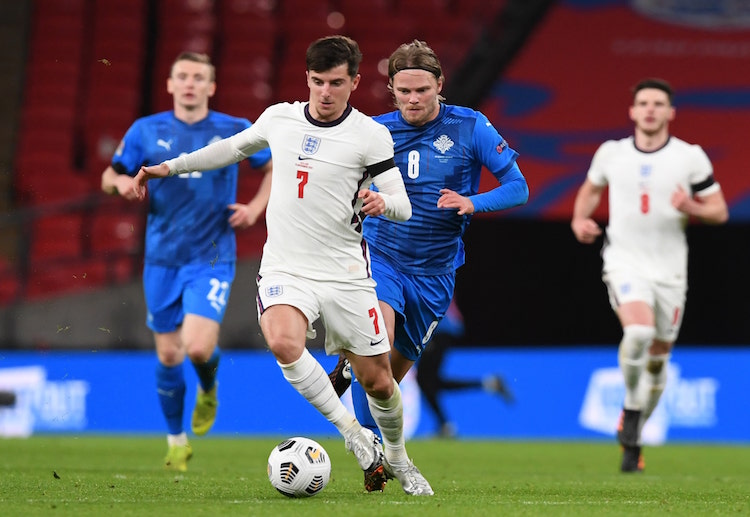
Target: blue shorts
{"x": 172, "y": 292}
{"x": 420, "y": 302}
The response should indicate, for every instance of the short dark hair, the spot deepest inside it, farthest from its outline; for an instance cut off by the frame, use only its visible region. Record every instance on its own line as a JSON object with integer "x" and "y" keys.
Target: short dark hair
{"x": 195, "y": 57}
{"x": 331, "y": 51}
{"x": 655, "y": 83}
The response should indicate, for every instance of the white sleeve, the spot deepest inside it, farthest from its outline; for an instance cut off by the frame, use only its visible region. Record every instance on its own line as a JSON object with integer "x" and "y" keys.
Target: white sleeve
{"x": 701, "y": 177}
{"x": 391, "y": 187}
{"x": 597, "y": 173}
{"x": 219, "y": 154}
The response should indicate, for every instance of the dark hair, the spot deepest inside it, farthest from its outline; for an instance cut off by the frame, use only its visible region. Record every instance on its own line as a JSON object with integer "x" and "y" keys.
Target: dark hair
{"x": 332, "y": 51}
{"x": 655, "y": 83}
{"x": 195, "y": 57}
{"x": 415, "y": 55}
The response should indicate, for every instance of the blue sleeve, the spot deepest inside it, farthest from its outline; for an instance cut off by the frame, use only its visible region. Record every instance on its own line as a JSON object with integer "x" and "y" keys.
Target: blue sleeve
{"x": 260, "y": 158}
{"x": 513, "y": 191}
{"x": 129, "y": 155}
{"x": 495, "y": 154}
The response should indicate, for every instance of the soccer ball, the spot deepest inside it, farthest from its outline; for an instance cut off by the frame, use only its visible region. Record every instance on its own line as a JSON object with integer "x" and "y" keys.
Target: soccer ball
{"x": 299, "y": 467}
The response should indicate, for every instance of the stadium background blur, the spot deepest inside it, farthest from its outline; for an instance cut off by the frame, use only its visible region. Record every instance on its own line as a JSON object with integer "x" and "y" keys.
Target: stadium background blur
{"x": 554, "y": 77}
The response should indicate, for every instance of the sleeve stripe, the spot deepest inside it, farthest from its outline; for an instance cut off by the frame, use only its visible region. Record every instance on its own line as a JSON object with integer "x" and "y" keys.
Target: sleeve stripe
{"x": 120, "y": 168}
{"x": 378, "y": 168}
{"x": 703, "y": 185}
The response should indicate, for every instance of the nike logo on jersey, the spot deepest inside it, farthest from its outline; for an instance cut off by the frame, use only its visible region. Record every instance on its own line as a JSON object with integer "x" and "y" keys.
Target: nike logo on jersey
{"x": 303, "y": 157}
{"x": 163, "y": 143}
{"x": 376, "y": 343}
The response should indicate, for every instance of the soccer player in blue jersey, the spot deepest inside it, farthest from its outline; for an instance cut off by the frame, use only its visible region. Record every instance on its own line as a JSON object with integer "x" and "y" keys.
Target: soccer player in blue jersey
{"x": 440, "y": 150}
{"x": 190, "y": 250}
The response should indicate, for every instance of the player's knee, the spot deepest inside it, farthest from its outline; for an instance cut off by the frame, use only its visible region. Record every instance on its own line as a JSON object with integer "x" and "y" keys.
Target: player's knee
{"x": 379, "y": 386}
{"x": 636, "y": 339}
{"x": 199, "y": 354}
{"x": 284, "y": 350}
{"x": 170, "y": 356}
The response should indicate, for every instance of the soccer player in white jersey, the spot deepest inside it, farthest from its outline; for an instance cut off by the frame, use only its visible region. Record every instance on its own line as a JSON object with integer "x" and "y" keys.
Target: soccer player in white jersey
{"x": 656, "y": 183}
{"x": 315, "y": 261}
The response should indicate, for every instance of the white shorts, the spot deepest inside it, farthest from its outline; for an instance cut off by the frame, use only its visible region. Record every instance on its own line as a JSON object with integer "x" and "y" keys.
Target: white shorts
{"x": 350, "y": 313}
{"x": 667, "y": 301}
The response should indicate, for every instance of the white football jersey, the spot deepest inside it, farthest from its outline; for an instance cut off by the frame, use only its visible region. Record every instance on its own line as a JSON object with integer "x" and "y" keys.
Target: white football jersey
{"x": 645, "y": 232}
{"x": 313, "y": 222}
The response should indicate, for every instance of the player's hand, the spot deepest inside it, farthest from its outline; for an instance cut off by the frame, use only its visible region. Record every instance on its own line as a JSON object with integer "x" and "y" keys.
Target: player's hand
{"x": 125, "y": 187}
{"x": 373, "y": 203}
{"x": 681, "y": 200}
{"x": 586, "y": 230}
{"x": 243, "y": 216}
{"x": 148, "y": 173}
{"x": 451, "y": 199}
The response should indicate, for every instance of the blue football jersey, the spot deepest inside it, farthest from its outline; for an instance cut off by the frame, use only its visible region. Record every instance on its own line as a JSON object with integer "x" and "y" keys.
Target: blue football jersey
{"x": 188, "y": 215}
{"x": 448, "y": 152}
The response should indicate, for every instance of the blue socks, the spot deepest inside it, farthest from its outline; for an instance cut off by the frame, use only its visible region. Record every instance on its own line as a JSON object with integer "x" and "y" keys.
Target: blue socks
{"x": 207, "y": 371}
{"x": 170, "y": 387}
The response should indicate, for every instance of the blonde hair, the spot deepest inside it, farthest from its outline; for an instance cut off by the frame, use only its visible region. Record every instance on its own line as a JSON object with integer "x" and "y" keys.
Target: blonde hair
{"x": 195, "y": 57}
{"x": 416, "y": 55}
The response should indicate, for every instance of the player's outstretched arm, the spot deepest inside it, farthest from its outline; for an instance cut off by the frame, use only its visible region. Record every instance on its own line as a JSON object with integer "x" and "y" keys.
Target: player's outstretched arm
{"x": 148, "y": 173}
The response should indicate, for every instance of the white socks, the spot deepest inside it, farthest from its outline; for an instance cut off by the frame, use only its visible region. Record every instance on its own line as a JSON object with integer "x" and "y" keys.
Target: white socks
{"x": 636, "y": 339}
{"x": 177, "y": 439}
{"x": 652, "y": 384}
{"x": 389, "y": 415}
{"x": 309, "y": 378}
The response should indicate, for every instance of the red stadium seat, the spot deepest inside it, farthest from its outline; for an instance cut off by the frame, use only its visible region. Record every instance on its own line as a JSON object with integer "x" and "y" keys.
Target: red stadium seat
{"x": 116, "y": 231}
{"x": 416, "y": 9}
{"x": 247, "y": 9}
{"x": 44, "y": 147}
{"x": 246, "y": 100}
{"x": 35, "y": 116}
{"x": 58, "y": 7}
{"x": 57, "y": 278}
{"x": 10, "y": 282}
{"x": 57, "y": 236}
{"x": 352, "y": 9}
{"x": 301, "y": 9}
{"x": 48, "y": 181}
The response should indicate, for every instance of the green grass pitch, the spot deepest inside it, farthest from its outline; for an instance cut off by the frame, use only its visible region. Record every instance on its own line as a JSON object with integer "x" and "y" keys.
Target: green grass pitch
{"x": 122, "y": 475}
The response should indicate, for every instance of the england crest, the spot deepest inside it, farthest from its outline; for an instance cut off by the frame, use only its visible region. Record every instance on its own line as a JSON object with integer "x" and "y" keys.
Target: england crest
{"x": 310, "y": 145}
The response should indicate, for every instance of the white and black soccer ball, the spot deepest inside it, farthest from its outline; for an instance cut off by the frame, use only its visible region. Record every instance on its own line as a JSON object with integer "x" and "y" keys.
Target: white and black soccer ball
{"x": 299, "y": 467}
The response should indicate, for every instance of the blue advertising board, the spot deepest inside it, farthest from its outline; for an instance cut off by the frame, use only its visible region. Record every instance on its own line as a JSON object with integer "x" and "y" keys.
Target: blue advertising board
{"x": 560, "y": 393}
